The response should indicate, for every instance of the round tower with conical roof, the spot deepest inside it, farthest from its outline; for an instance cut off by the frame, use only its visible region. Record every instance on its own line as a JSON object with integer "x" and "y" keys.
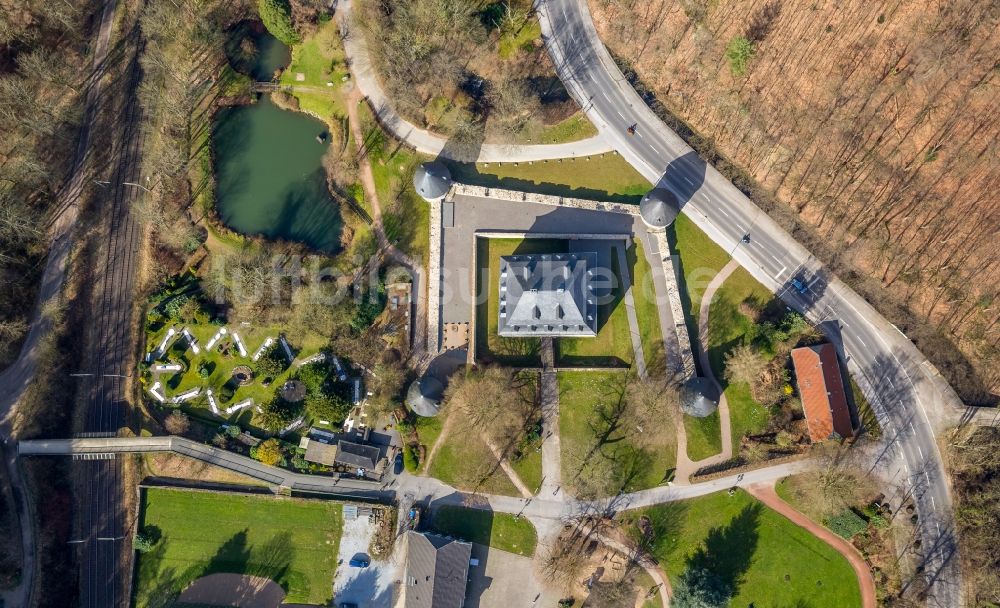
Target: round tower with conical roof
{"x": 432, "y": 180}
{"x": 659, "y": 208}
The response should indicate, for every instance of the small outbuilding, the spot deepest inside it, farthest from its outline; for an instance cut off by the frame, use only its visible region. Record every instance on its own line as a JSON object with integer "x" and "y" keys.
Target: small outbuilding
{"x": 659, "y": 208}
{"x": 319, "y": 452}
{"x": 424, "y": 396}
{"x": 432, "y": 180}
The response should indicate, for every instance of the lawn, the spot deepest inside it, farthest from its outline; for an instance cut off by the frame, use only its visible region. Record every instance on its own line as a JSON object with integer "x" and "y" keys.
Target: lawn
{"x": 604, "y": 177}
{"x": 428, "y": 431}
{"x": 647, "y": 315}
{"x": 768, "y": 560}
{"x": 464, "y": 461}
{"x": 700, "y": 260}
{"x": 727, "y": 327}
{"x": 612, "y": 347}
{"x": 498, "y": 530}
{"x": 320, "y": 58}
{"x": 579, "y": 394}
{"x": 529, "y": 467}
{"x": 292, "y": 541}
{"x": 405, "y": 216}
{"x": 489, "y": 345}
{"x": 704, "y": 436}
{"x": 574, "y": 128}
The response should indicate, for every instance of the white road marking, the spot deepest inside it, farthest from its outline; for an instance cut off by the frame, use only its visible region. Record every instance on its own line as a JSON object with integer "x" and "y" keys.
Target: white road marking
{"x": 935, "y": 506}
{"x": 780, "y": 272}
{"x": 927, "y": 477}
{"x": 936, "y": 524}
{"x": 889, "y": 380}
{"x": 724, "y": 212}
{"x": 775, "y": 258}
{"x": 688, "y": 181}
{"x": 920, "y": 451}
{"x": 620, "y": 114}
{"x": 862, "y": 343}
{"x": 653, "y": 149}
{"x": 912, "y": 430}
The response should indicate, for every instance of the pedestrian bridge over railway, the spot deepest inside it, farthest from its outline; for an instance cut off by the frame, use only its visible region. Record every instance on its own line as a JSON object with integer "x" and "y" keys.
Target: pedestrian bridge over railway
{"x": 108, "y": 447}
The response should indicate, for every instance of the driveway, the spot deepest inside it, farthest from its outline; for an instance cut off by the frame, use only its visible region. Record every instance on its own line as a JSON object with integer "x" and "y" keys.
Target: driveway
{"x": 371, "y": 587}
{"x": 502, "y": 580}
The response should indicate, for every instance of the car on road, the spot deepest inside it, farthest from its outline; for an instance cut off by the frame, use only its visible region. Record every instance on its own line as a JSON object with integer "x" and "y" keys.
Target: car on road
{"x": 799, "y": 285}
{"x": 360, "y": 562}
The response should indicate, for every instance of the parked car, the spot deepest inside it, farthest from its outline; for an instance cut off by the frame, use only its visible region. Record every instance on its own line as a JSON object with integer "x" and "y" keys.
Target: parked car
{"x": 360, "y": 562}
{"x": 799, "y": 285}
{"x": 397, "y": 466}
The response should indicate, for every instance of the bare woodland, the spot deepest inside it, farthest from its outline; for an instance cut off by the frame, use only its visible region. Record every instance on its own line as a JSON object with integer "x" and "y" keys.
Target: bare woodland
{"x": 875, "y": 128}
{"x": 42, "y": 77}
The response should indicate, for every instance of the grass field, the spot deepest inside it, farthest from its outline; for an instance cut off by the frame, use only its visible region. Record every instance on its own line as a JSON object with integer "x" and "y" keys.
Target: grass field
{"x": 704, "y": 436}
{"x": 320, "y": 58}
{"x": 768, "y": 560}
{"x": 290, "y": 541}
{"x": 489, "y": 345}
{"x": 428, "y": 430}
{"x": 405, "y": 216}
{"x": 574, "y": 128}
{"x": 644, "y": 294}
{"x": 498, "y": 530}
{"x": 464, "y": 461}
{"x": 605, "y": 177}
{"x": 579, "y": 394}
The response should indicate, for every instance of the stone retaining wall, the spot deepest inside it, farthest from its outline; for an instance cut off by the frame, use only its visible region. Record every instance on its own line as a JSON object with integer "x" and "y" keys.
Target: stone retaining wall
{"x": 687, "y": 368}
{"x": 434, "y": 279}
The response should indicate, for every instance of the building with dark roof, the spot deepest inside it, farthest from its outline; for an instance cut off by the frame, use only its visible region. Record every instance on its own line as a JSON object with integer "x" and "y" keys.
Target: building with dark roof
{"x": 821, "y": 388}
{"x": 437, "y": 570}
{"x": 357, "y": 455}
{"x": 424, "y": 396}
{"x": 547, "y": 294}
{"x": 432, "y": 180}
{"x": 659, "y": 208}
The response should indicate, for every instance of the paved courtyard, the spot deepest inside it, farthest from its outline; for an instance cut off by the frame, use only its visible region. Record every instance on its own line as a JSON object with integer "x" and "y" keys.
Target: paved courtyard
{"x": 503, "y": 580}
{"x": 371, "y": 587}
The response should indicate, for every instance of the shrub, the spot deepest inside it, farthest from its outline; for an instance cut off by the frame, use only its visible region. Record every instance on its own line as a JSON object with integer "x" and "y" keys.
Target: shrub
{"x": 233, "y": 430}
{"x": 276, "y": 15}
{"x": 739, "y": 52}
{"x": 846, "y": 524}
{"x": 268, "y": 452}
{"x": 411, "y": 461}
{"x": 204, "y": 371}
{"x": 177, "y": 423}
{"x": 272, "y": 362}
{"x": 277, "y": 414}
{"x": 144, "y": 540}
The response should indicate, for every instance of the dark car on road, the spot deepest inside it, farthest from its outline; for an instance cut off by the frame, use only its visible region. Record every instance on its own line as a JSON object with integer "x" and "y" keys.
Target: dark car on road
{"x": 799, "y": 285}
{"x": 360, "y": 562}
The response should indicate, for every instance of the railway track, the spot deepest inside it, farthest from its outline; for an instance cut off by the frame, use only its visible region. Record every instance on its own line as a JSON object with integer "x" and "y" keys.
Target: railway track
{"x": 100, "y": 512}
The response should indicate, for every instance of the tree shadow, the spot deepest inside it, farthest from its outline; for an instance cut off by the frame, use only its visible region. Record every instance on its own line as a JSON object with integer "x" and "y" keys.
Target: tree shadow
{"x": 684, "y": 176}
{"x": 728, "y": 550}
{"x": 232, "y": 556}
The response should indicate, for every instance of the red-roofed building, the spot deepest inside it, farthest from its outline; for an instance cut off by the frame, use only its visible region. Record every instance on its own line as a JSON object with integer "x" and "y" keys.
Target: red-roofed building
{"x": 821, "y": 387}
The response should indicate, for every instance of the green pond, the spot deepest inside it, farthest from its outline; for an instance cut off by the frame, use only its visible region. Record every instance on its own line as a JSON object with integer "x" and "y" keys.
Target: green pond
{"x": 269, "y": 173}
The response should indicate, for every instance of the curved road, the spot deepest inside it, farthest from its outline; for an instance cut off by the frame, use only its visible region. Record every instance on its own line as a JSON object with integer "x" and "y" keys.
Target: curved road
{"x": 423, "y": 140}
{"x": 911, "y": 399}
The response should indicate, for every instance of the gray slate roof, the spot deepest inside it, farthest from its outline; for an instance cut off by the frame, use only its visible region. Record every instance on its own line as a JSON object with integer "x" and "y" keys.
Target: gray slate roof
{"x": 437, "y": 569}
{"x": 547, "y": 295}
{"x": 699, "y": 398}
{"x": 659, "y": 208}
{"x": 432, "y": 180}
{"x": 357, "y": 455}
{"x": 424, "y": 396}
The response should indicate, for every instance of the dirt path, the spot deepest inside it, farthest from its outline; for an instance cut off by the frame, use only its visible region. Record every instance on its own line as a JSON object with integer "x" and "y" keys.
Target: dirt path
{"x": 391, "y": 252}
{"x": 685, "y": 466}
{"x": 766, "y": 494}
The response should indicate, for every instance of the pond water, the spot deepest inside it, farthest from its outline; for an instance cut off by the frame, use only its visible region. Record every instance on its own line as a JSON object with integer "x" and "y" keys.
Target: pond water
{"x": 268, "y": 166}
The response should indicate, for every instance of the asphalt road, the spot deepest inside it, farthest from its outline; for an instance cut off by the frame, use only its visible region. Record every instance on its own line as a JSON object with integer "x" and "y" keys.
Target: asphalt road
{"x": 912, "y": 400}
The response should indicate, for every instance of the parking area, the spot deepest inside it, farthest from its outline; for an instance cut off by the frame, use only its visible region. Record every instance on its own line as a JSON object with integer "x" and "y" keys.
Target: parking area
{"x": 502, "y": 580}
{"x": 369, "y": 587}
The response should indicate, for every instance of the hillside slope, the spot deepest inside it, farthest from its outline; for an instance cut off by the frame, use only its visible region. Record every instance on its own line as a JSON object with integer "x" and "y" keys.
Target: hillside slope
{"x": 875, "y": 124}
